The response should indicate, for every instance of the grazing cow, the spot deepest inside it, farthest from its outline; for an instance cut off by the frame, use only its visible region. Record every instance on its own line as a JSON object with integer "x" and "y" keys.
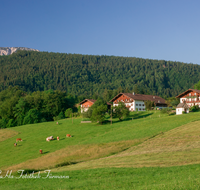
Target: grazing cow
{"x": 49, "y": 138}
{"x": 57, "y": 123}
{"x": 18, "y": 139}
{"x": 40, "y": 151}
{"x": 15, "y": 144}
{"x": 58, "y": 138}
{"x": 68, "y": 135}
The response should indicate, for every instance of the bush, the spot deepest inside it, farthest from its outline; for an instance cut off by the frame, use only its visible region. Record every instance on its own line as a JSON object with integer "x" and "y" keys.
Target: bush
{"x": 68, "y": 113}
{"x": 194, "y": 108}
{"x": 59, "y": 117}
{"x": 166, "y": 110}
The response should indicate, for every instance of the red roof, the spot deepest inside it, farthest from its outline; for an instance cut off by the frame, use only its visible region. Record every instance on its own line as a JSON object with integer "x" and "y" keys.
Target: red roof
{"x": 142, "y": 97}
{"x": 187, "y": 91}
{"x": 91, "y": 100}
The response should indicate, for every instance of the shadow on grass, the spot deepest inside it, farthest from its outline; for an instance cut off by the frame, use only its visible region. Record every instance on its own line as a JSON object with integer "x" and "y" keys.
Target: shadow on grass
{"x": 65, "y": 164}
{"x": 135, "y": 116}
{"x": 46, "y": 152}
{"x": 18, "y": 145}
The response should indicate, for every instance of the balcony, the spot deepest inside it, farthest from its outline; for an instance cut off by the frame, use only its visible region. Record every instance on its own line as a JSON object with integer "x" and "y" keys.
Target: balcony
{"x": 193, "y": 101}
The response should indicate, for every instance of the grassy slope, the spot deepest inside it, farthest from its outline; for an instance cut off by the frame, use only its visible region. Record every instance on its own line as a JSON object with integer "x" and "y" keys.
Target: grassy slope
{"x": 179, "y": 142}
{"x": 179, "y": 146}
{"x": 83, "y": 134}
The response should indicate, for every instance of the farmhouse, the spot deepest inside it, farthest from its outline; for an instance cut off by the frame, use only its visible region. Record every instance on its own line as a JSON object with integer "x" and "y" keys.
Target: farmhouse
{"x": 189, "y": 98}
{"x": 85, "y": 104}
{"x": 137, "y": 101}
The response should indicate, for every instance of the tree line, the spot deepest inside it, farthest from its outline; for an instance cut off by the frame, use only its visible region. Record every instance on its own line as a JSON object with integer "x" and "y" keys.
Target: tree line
{"x": 18, "y": 107}
{"x": 90, "y": 76}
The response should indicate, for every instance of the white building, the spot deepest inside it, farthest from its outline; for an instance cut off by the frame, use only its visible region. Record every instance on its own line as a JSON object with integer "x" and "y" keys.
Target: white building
{"x": 137, "y": 101}
{"x": 182, "y": 107}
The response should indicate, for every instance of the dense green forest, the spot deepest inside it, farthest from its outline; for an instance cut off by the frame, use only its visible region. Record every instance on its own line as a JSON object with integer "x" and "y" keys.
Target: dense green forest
{"x": 89, "y": 75}
{"x": 19, "y": 108}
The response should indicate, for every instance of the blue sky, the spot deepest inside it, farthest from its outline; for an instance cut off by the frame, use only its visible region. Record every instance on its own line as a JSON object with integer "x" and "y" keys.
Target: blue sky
{"x": 154, "y": 29}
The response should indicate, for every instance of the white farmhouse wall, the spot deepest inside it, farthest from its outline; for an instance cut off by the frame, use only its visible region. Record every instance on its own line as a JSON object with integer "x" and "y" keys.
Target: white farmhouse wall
{"x": 182, "y": 100}
{"x": 179, "y": 111}
{"x": 140, "y": 105}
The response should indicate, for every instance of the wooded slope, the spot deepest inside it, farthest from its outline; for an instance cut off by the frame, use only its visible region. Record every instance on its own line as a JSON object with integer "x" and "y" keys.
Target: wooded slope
{"x": 88, "y": 74}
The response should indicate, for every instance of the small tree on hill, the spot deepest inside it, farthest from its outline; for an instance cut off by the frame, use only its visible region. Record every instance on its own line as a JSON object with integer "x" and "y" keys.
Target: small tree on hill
{"x": 98, "y": 113}
{"x": 121, "y": 111}
{"x": 149, "y": 104}
{"x": 68, "y": 112}
{"x": 98, "y": 110}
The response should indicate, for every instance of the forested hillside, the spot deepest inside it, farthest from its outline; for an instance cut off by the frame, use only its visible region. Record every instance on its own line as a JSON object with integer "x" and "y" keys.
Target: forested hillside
{"x": 88, "y": 74}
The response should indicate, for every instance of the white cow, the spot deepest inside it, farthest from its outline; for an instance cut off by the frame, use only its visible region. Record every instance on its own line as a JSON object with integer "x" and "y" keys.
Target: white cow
{"x": 49, "y": 138}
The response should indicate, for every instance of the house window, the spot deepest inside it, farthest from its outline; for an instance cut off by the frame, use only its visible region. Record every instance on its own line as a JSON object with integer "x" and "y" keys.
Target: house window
{"x": 195, "y": 94}
{"x": 189, "y": 94}
{"x": 143, "y": 104}
{"x": 126, "y": 100}
{"x": 139, "y": 104}
{"x": 117, "y": 100}
{"x": 136, "y": 104}
{"x": 88, "y": 106}
{"x": 139, "y": 108}
{"x": 131, "y": 104}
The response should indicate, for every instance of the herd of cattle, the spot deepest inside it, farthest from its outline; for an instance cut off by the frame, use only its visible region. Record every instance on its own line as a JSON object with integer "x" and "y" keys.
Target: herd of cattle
{"x": 58, "y": 138}
{"x": 47, "y": 139}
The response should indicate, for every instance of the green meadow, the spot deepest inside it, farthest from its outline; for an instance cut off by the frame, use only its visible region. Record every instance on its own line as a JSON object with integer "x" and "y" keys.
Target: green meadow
{"x": 148, "y": 150}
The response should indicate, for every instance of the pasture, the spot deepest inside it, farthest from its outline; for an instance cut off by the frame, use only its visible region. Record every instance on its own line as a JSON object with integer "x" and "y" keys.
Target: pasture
{"x": 106, "y": 154}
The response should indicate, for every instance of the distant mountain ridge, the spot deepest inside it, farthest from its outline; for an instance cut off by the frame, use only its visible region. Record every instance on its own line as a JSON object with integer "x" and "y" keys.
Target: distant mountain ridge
{"x": 10, "y": 50}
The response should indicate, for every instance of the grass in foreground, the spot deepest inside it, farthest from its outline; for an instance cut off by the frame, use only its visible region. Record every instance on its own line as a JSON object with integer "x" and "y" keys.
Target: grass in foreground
{"x": 170, "y": 178}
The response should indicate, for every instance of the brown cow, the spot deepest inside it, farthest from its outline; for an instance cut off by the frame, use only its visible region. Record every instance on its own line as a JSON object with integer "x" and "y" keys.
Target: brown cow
{"x": 15, "y": 144}
{"x": 58, "y": 138}
{"x": 18, "y": 139}
{"x": 68, "y": 135}
{"x": 40, "y": 151}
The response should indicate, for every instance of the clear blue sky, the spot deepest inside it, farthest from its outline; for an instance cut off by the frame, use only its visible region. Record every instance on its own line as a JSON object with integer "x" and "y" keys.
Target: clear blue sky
{"x": 154, "y": 29}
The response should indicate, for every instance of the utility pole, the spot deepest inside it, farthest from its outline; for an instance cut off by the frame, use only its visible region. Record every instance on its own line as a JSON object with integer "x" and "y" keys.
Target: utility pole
{"x": 111, "y": 115}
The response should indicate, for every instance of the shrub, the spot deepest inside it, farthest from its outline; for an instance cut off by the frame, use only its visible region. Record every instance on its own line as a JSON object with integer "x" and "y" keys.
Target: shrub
{"x": 166, "y": 110}
{"x": 194, "y": 108}
{"x": 68, "y": 113}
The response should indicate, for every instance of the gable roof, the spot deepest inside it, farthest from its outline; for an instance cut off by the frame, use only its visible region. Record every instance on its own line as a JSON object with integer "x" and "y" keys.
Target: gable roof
{"x": 143, "y": 97}
{"x": 90, "y": 100}
{"x": 182, "y": 105}
{"x": 189, "y": 90}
